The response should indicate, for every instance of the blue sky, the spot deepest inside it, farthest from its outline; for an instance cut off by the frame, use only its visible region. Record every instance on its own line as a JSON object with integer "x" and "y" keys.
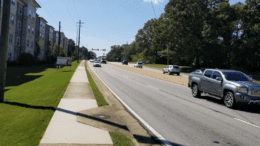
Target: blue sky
{"x": 106, "y": 22}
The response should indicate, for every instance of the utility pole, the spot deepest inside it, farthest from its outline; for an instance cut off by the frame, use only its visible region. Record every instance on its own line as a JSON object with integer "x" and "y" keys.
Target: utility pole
{"x": 79, "y": 37}
{"x": 59, "y": 39}
{"x": 76, "y": 40}
{"x": 4, "y": 46}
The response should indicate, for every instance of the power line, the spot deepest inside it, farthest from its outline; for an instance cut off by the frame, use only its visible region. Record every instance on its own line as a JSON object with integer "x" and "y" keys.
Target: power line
{"x": 69, "y": 10}
{"x": 47, "y": 12}
{"x": 153, "y": 8}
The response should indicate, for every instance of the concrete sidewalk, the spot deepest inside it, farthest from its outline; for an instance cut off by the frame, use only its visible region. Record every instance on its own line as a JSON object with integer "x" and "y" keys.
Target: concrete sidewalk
{"x": 64, "y": 128}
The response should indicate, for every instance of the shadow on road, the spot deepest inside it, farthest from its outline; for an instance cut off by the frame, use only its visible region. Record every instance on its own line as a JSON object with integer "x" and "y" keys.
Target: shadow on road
{"x": 245, "y": 108}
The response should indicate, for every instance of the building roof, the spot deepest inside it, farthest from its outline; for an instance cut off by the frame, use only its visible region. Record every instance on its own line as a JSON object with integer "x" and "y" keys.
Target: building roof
{"x": 35, "y": 3}
{"x": 22, "y": 2}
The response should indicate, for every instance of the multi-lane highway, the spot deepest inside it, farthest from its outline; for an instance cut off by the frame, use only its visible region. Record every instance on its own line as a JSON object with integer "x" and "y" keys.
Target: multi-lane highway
{"x": 180, "y": 118}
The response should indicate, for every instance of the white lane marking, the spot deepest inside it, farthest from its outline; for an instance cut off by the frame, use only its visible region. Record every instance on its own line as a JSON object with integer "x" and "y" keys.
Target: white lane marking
{"x": 152, "y": 87}
{"x": 247, "y": 123}
{"x": 137, "y": 116}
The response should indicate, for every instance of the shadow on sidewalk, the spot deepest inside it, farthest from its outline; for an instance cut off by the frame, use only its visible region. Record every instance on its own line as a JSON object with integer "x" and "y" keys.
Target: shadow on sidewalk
{"x": 66, "y": 111}
{"x": 94, "y": 118}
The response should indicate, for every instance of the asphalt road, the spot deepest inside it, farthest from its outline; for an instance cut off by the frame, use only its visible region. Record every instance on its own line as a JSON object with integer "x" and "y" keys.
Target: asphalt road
{"x": 180, "y": 118}
{"x": 149, "y": 69}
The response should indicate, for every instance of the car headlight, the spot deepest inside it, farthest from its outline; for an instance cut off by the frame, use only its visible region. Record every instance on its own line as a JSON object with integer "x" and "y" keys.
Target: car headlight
{"x": 241, "y": 89}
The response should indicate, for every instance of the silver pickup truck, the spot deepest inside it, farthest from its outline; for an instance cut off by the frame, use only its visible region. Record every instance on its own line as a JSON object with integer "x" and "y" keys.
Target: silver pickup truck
{"x": 234, "y": 87}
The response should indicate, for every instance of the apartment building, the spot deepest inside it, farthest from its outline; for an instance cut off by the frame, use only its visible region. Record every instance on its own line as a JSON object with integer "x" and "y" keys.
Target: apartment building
{"x": 11, "y": 35}
{"x": 65, "y": 44}
{"x": 61, "y": 39}
{"x": 29, "y": 25}
{"x": 40, "y": 35}
{"x": 56, "y": 37}
{"x": 18, "y": 29}
{"x": 1, "y": 14}
{"x": 51, "y": 36}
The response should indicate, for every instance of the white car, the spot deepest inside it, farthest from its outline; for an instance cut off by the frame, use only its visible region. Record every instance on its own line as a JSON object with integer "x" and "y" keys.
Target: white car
{"x": 91, "y": 60}
{"x": 139, "y": 65}
{"x": 96, "y": 63}
{"x": 172, "y": 69}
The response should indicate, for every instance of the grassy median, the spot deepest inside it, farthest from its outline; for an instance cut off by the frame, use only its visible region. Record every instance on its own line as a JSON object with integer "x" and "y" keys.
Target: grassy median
{"x": 32, "y": 95}
{"x": 101, "y": 101}
{"x": 120, "y": 139}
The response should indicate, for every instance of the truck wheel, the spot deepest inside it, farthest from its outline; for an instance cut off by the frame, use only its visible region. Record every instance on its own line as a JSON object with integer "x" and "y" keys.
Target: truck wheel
{"x": 178, "y": 74}
{"x": 229, "y": 100}
{"x": 163, "y": 72}
{"x": 195, "y": 91}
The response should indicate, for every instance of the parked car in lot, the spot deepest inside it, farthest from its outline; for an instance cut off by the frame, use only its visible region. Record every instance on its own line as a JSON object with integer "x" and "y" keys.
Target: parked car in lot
{"x": 96, "y": 63}
{"x": 125, "y": 62}
{"x": 139, "y": 65}
{"x": 234, "y": 87}
{"x": 171, "y": 69}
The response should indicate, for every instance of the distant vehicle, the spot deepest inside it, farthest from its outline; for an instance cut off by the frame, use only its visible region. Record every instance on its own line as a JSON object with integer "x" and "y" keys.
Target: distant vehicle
{"x": 103, "y": 61}
{"x": 91, "y": 60}
{"x": 234, "y": 87}
{"x": 171, "y": 69}
{"x": 139, "y": 65}
{"x": 96, "y": 63}
{"x": 125, "y": 62}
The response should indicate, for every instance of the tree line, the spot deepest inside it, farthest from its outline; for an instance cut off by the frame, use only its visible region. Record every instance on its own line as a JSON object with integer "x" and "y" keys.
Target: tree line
{"x": 201, "y": 33}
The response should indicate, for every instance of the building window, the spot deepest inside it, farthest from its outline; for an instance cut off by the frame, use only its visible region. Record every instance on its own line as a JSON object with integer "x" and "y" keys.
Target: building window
{"x": 12, "y": 19}
{"x": 13, "y": 2}
{"x": 31, "y": 44}
{"x": 33, "y": 14}
{"x": 32, "y": 30}
{"x": 29, "y": 28}
{"x": 20, "y": 10}
{"x": 18, "y": 41}
{"x": 28, "y": 43}
{"x": 19, "y": 25}
{"x": 10, "y": 38}
{"x": 29, "y": 13}
{"x": 9, "y": 56}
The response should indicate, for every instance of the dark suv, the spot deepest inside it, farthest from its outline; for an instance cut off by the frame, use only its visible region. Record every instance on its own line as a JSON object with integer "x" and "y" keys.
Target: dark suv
{"x": 125, "y": 62}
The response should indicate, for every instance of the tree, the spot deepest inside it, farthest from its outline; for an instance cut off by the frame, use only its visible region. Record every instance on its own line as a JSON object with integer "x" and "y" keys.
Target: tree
{"x": 4, "y": 46}
{"x": 37, "y": 50}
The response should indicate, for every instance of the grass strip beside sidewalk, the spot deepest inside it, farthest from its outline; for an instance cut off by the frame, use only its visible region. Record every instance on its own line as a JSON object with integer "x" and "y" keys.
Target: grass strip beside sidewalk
{"x": 97, "y": 94}
{"x": 120, "y": 139}
{"x": 32, "y": 95}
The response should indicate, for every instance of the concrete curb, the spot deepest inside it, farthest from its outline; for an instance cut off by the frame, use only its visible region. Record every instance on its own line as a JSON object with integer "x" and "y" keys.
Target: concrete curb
{"x": 154, "y": 134}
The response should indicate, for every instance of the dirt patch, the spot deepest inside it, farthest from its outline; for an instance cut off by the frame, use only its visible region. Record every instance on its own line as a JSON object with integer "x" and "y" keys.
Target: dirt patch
{"x": 114, "y": 117}
{"x": 165, "y": 77}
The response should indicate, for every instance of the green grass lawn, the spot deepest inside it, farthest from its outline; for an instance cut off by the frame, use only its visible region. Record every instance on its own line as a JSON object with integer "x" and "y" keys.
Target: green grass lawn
{"x": 119, "y": 139}
{"x": 31, "y": 96}
{"x": 101, "y": 101}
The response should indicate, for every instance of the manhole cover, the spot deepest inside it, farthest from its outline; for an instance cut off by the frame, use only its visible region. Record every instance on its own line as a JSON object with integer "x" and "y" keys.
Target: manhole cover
{"x": 101, "y": 116}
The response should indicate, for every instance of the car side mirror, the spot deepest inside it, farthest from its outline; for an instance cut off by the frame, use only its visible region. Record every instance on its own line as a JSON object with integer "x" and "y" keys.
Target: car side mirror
{"x": 219, "y": 78}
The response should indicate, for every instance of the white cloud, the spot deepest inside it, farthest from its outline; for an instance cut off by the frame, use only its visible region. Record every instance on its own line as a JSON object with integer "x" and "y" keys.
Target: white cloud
{"x": 154, "y": 1}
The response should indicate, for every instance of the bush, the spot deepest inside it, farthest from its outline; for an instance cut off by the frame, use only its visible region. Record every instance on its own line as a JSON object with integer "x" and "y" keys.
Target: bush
{"x": 26, "y": 59}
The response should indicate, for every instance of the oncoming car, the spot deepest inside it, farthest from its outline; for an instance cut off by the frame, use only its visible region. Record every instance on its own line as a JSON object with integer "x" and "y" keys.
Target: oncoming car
{"x": 96, "y": 63}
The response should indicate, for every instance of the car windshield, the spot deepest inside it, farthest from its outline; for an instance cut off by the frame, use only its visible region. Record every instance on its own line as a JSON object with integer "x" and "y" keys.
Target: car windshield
{"x": 235, "y": 76}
